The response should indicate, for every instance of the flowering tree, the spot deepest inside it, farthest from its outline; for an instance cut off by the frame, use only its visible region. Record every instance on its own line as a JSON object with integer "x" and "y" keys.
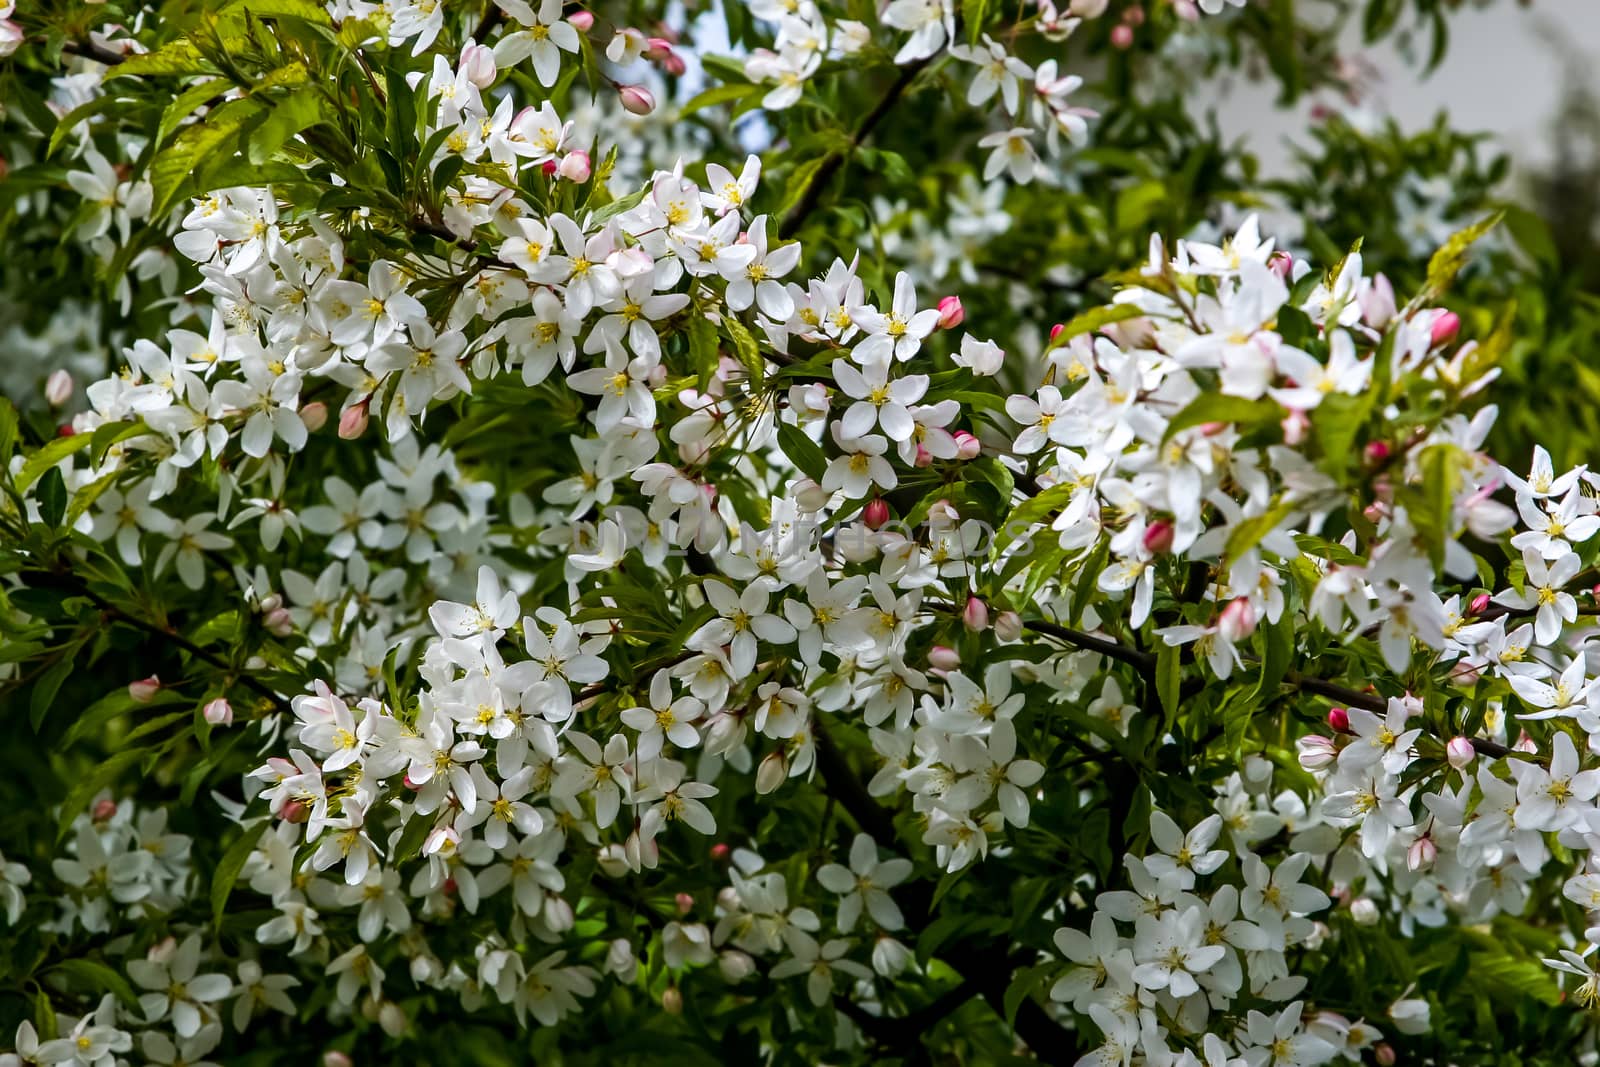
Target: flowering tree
{"x": 547, "y": 576}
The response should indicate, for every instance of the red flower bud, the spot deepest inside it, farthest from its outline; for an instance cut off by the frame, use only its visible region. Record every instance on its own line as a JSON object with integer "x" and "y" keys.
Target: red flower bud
{"x": 1339, "y": 720}
{"x": 951, "y": 313}
{"x": 967, "y": 446}
{"x": 975, "y": 616}
{"x": 1445, "y": 328}
{"x": 1376, "y": 452}
{"x": 1158, "y": 537}
{"x": 876, "y": 513}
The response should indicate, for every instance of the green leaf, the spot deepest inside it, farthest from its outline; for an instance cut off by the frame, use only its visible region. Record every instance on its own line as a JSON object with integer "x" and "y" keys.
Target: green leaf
{"x": 1169, "y": 679}
{"x": 1092, "y": 320}
{"x": 1448, "y": 261}
{"x": 300, "y": 109}
{"x": 103, "y": 774}
{"x": 744, "y": 345}
{"x": 803, "y": 452}
{"x": 185, "y": 103}
{"x": 49, "y": 454}
{"x": 8, "y": 433}
{"x": 103, "y": 438}
{"x": 304, "y": 10}
{"x": 1248, "y": 534}
{"x": 702, "y": 347}
{"x": 1219, "y": 407}
{"x": 1024, "y": 516}
{"x": 1025, "y": 982}
{"x": 175, "y": 167}
{"x": 77, "y": 115}
{"x": 176, "y": 57}
{"x": 52, "y": 497}
{"x": 717, "y": 94}
{"x": 94, "y": 718}
{"x": 229, "y": 866}
{"x": 49, "y": 684}
{"x": 800, "y": 180}
{"x": 973, "y": 13}
{"x": 95, "y": 975}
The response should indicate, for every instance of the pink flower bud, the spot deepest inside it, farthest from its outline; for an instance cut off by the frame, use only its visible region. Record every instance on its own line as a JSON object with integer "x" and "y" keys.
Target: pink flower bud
{"x": 1421, "y": 854}
{"x": 1526, "y": 744}
{"x": 1339, "y": 720}
{"x": 771, "y": 773}
{"x": 1122, "y": 36}
{"x": 1056, "y": 330}
{"x": 1384, "y": 1055}
{"x": 334, "y": 1058}
{"x": 1295, "y": 426}
{"x": 720, "y": 851}
{"x": 582, "y": 21}
{"x": 951, "y": 313}
{"x": 975, "y": 616}
{"x": 103, "y": 809}
{"x": 657, "y": 49}
{"x": 477, "y": 63}
{"x": 353, "y": 421}
{"x": 314, "y": 415}
{"x": 278, "y": 622}
{"x": 1238, "y": 620}
{"x": 674, "y": 65}
{"x": 1282, "y": 264}
{"x": 941, "y": 658}
{"x": 943, "y": 513}
{"x": 684, "y": 902}
{"x": 1460, "y": 752}
{"x": 58, "y": 388}
{"x": 1376, "y": 452}
{"x": 1479, "y": 605}
{"x": 144, "y": 690}
{"x": 923, "y": 458}
{"x": 549, "y": 168}
{"x": 1445, "y": 328}
{"x": 1316, "y": 752}
{"x": 576, "y": 167}
{"x": 636, "y": 99}
{"x": 967, "y": 446}
{"x": 295, "y": 811}
{"x": 876, "y": 513}
{"x": 218, "y": 712}
{"x": 1008, "y": 626}
{"x": 1158, "y": 537}
{"x": 1134, "y": 15}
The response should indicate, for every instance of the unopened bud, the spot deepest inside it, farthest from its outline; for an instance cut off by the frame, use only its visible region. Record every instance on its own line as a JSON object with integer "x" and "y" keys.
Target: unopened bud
{"x": 295, "y": 811}
{"x": 1122, "y": 36}
{"x": 353, "y": 421}
{"x": 1460, "y": 752}
{"x": 975, "y": 616}
{"x": 477, "y": 63}
{"x": 1339, "y": 720}
{"x": 720, "y": 851}
{"x": 810, "y": 496}
{"x": 58, "y": 388}
{"x": 218, "y": 712}
{"x": 1445, "y": 327}
{"x": 621, "y": 961}
{"x": 1238, "y": 620}
{"x": 576, "y": 167}
{"x": 1364, "y": 911}
{"x": 923, "y": 458}
{"x": 392, "y": 1019}
{"x": 943, "y": 658}
{"x": 1377, "y": 303}
{"x": 582, "y": 21}
{"x": 684, "y": 903}
{"x": 1376, "y": 452}
{"x": 636, "y": 99}
{"x": 674, "y": 65}
{"x": 657, "y": 49}
{"x": 1056, "y": 331}
{"x": 672, "y": 1000}
{"x": 103, "y": 809}
{"x": 951, "y": 313}
{"x": 770, "y": 775}
{"x": 314, "y": 415}
{"x": 1384, "y": 1055}
{"x": 334, "y": 1058}
{"x": 549, "y": 168}
{"x": 1479, "y": 604}
{"x": 876, "y": 513}
{"x": 144, "y": 690}
{"x": 1008, "y": 626}
{"x": 1158, "y": 537}
{"x": 735, "y": 966}
{"x": 613, "y": 861}
{"x": 967, "y": 446}
{"x": 943, "y": 513}
{"x": 1421, "y": 854}
{"x": 278, "y": 622}
{"x": 1296, "y": 424}
{"x": 1316, "y": 752}
{"x": 1281, "y": 264}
